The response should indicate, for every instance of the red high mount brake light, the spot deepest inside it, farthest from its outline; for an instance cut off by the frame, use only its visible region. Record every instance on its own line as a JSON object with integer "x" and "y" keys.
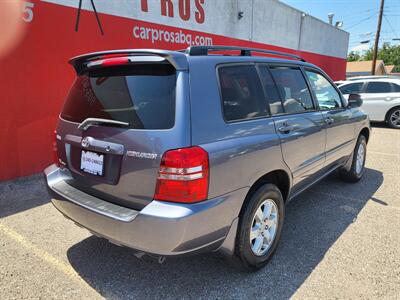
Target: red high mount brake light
{"x": 114, "y": 61}
{"x": 107, "y": 62}
{"x": 183, "y": 176}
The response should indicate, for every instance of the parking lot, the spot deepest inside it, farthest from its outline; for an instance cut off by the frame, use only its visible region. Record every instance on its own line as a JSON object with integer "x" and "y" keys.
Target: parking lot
{"x": 339, "y": 241}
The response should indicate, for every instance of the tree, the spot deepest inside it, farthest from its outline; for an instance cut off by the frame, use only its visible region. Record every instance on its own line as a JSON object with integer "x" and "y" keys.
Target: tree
{"x": 353, "y": 56}
{"x": 390, "y": 54}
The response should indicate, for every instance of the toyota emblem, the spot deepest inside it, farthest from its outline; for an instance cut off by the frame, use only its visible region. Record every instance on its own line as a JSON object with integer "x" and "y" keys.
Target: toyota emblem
{"x": 85, "y": 142}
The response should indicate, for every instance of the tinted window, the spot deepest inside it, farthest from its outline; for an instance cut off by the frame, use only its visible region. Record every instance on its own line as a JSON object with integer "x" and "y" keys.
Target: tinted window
{"x": 378, "y": 87}
{"x": 241, "y": 91}
{"x": 396, "y": 88}
{"x": 271, "y": 92}
{"x": 293, "y": 89}
{"x": 143, "y": 96}
{"x": 353, "y": 88}
{"x": 326, "y": 94}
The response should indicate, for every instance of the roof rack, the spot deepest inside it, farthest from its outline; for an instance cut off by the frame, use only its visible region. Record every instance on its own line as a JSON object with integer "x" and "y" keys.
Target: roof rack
{"x": 203, "y": 51}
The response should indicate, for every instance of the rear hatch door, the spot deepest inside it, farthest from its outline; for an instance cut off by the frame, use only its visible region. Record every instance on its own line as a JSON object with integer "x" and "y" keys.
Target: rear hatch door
{"x": 118, "y": 120}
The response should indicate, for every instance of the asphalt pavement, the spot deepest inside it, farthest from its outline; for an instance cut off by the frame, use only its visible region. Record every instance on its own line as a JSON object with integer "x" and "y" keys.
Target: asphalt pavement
{"x": 339, "y": 241}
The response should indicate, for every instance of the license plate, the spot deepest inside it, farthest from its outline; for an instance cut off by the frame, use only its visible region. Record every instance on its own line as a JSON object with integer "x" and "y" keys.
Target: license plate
{"x": 92, "y": 163}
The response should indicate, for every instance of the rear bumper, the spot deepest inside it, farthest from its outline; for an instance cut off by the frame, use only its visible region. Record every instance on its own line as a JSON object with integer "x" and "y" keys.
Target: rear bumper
{"x": 161, "y": 228}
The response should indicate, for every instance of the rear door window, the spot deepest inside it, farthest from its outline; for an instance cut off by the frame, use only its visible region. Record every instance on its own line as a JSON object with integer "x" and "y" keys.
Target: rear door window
{"x": 378, "y": 87}
{"x": 241, "y": 93}
{"x": 293, "y": 89}
{"x": 143, "y": 96}
{"x": 352, "y": 88}
{"x": 326, "y": 94}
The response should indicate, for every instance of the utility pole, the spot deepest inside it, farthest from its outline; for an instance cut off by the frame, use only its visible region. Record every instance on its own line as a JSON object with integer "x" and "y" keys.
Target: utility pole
{"x": 378, "y": 32}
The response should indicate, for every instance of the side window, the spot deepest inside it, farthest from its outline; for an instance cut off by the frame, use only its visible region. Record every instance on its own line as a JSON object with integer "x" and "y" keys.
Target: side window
{"x": 352, "y": 88}
{"x": 395, "y": 88}
{"x": 293, "y": 89}
{"x": 327, "y": 96}
{"x": 378, "y": 87}
{"x": 241, "y": 92}
{"x": 275, "y": 104}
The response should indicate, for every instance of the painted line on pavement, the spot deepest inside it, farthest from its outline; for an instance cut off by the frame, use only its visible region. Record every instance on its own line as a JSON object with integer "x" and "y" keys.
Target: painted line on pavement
{"x": 43, "y": 255}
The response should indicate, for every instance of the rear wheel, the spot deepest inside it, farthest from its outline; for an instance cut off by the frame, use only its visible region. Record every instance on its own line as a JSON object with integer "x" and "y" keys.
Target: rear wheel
{"x": 393, "y": 118}
{"x": 357, "y": 165}
{"x": 260, "y": 227}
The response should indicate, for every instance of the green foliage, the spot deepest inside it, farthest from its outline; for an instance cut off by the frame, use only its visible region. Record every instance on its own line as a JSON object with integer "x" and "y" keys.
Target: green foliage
{"x": 353, "y": 56}
{"x": 368, "y": 55}
{"x": 390, "y": 54}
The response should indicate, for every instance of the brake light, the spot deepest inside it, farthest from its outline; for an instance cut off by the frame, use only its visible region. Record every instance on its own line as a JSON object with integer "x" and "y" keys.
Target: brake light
{"x": 183, "y": 176}
{"x": 114, "y": 61}
{"x": 107, "y": 62}
{"x": 55, "y": 149}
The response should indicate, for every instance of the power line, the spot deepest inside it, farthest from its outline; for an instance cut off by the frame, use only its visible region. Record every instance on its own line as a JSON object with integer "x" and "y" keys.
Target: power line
{"x": 391, "y": 27}
{"x": 361, "y": 21}
{"x": 363, "y": 12}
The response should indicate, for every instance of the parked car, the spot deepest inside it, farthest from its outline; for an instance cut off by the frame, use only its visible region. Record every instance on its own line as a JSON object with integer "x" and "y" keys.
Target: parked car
{"x": 370, "y": 77}
{"x": 174, "y": 153}
{"x": 339, "y": 82}
{"x": 355, "y": 78}
{"x": 380, "y": 96}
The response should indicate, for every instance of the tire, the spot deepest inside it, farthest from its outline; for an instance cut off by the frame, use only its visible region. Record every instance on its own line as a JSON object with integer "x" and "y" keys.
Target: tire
{"x": 357, "y": 170}
{"x": 265, "y": 197}
{"x": 393, "y": 118}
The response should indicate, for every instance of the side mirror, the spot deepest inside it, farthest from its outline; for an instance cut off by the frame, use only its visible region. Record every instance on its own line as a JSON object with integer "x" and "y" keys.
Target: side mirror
{"x": 355, "y": 100}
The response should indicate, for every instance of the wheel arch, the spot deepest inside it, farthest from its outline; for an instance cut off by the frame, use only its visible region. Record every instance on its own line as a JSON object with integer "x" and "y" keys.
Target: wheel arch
{"x": 366, "y": 133}
{"x": 279, "y": 177}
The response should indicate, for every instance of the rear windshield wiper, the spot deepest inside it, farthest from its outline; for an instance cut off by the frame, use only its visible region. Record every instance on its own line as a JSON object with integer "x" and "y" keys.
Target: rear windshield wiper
{"x": 96, "y": 121}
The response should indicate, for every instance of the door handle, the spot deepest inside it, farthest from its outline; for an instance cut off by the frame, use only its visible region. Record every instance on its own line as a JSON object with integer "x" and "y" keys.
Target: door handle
{"x": 329, "y": 120}
{"x": 286, "y": 128}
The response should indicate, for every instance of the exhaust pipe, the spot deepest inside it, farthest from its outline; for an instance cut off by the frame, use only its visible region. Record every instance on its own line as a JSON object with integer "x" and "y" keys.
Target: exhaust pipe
{"x": 140, "y": 255}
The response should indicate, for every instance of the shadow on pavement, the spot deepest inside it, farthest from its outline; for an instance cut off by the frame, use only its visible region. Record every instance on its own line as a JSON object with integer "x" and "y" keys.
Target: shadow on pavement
{"x": 314, "y": 221}
{"x": 380, "y": 125}
{"x": 22, "y": 194}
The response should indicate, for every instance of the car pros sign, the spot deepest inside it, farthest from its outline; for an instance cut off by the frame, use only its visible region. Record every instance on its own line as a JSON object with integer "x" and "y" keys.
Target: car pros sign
{"x": 168, "y": 8}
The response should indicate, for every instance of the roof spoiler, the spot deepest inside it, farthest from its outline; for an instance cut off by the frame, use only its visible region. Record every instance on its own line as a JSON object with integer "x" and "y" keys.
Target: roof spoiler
{"x": 177, "y": 59}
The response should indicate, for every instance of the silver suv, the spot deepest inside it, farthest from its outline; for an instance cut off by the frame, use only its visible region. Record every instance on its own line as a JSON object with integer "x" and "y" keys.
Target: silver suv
{"x": 180, "y": 152}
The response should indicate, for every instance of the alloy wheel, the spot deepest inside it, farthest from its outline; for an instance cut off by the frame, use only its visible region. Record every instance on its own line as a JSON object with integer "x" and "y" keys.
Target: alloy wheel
{"x": 360, "y": 158}
{"x": 394, "y": 118}
{"x": 264, "y": 227}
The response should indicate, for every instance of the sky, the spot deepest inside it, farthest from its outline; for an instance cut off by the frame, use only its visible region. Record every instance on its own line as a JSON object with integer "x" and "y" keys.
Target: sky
{"x": 360, "y": 18}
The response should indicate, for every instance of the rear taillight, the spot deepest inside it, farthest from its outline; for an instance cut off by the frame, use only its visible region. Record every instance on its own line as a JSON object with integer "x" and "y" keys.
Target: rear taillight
{"x": 183, "y": 176}
{"x": 55, "y": 149}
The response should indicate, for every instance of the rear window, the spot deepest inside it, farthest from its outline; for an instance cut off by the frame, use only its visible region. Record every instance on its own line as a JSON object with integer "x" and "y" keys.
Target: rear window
{"x": 143, "y": 96}
{"x": 378, "y": 87}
